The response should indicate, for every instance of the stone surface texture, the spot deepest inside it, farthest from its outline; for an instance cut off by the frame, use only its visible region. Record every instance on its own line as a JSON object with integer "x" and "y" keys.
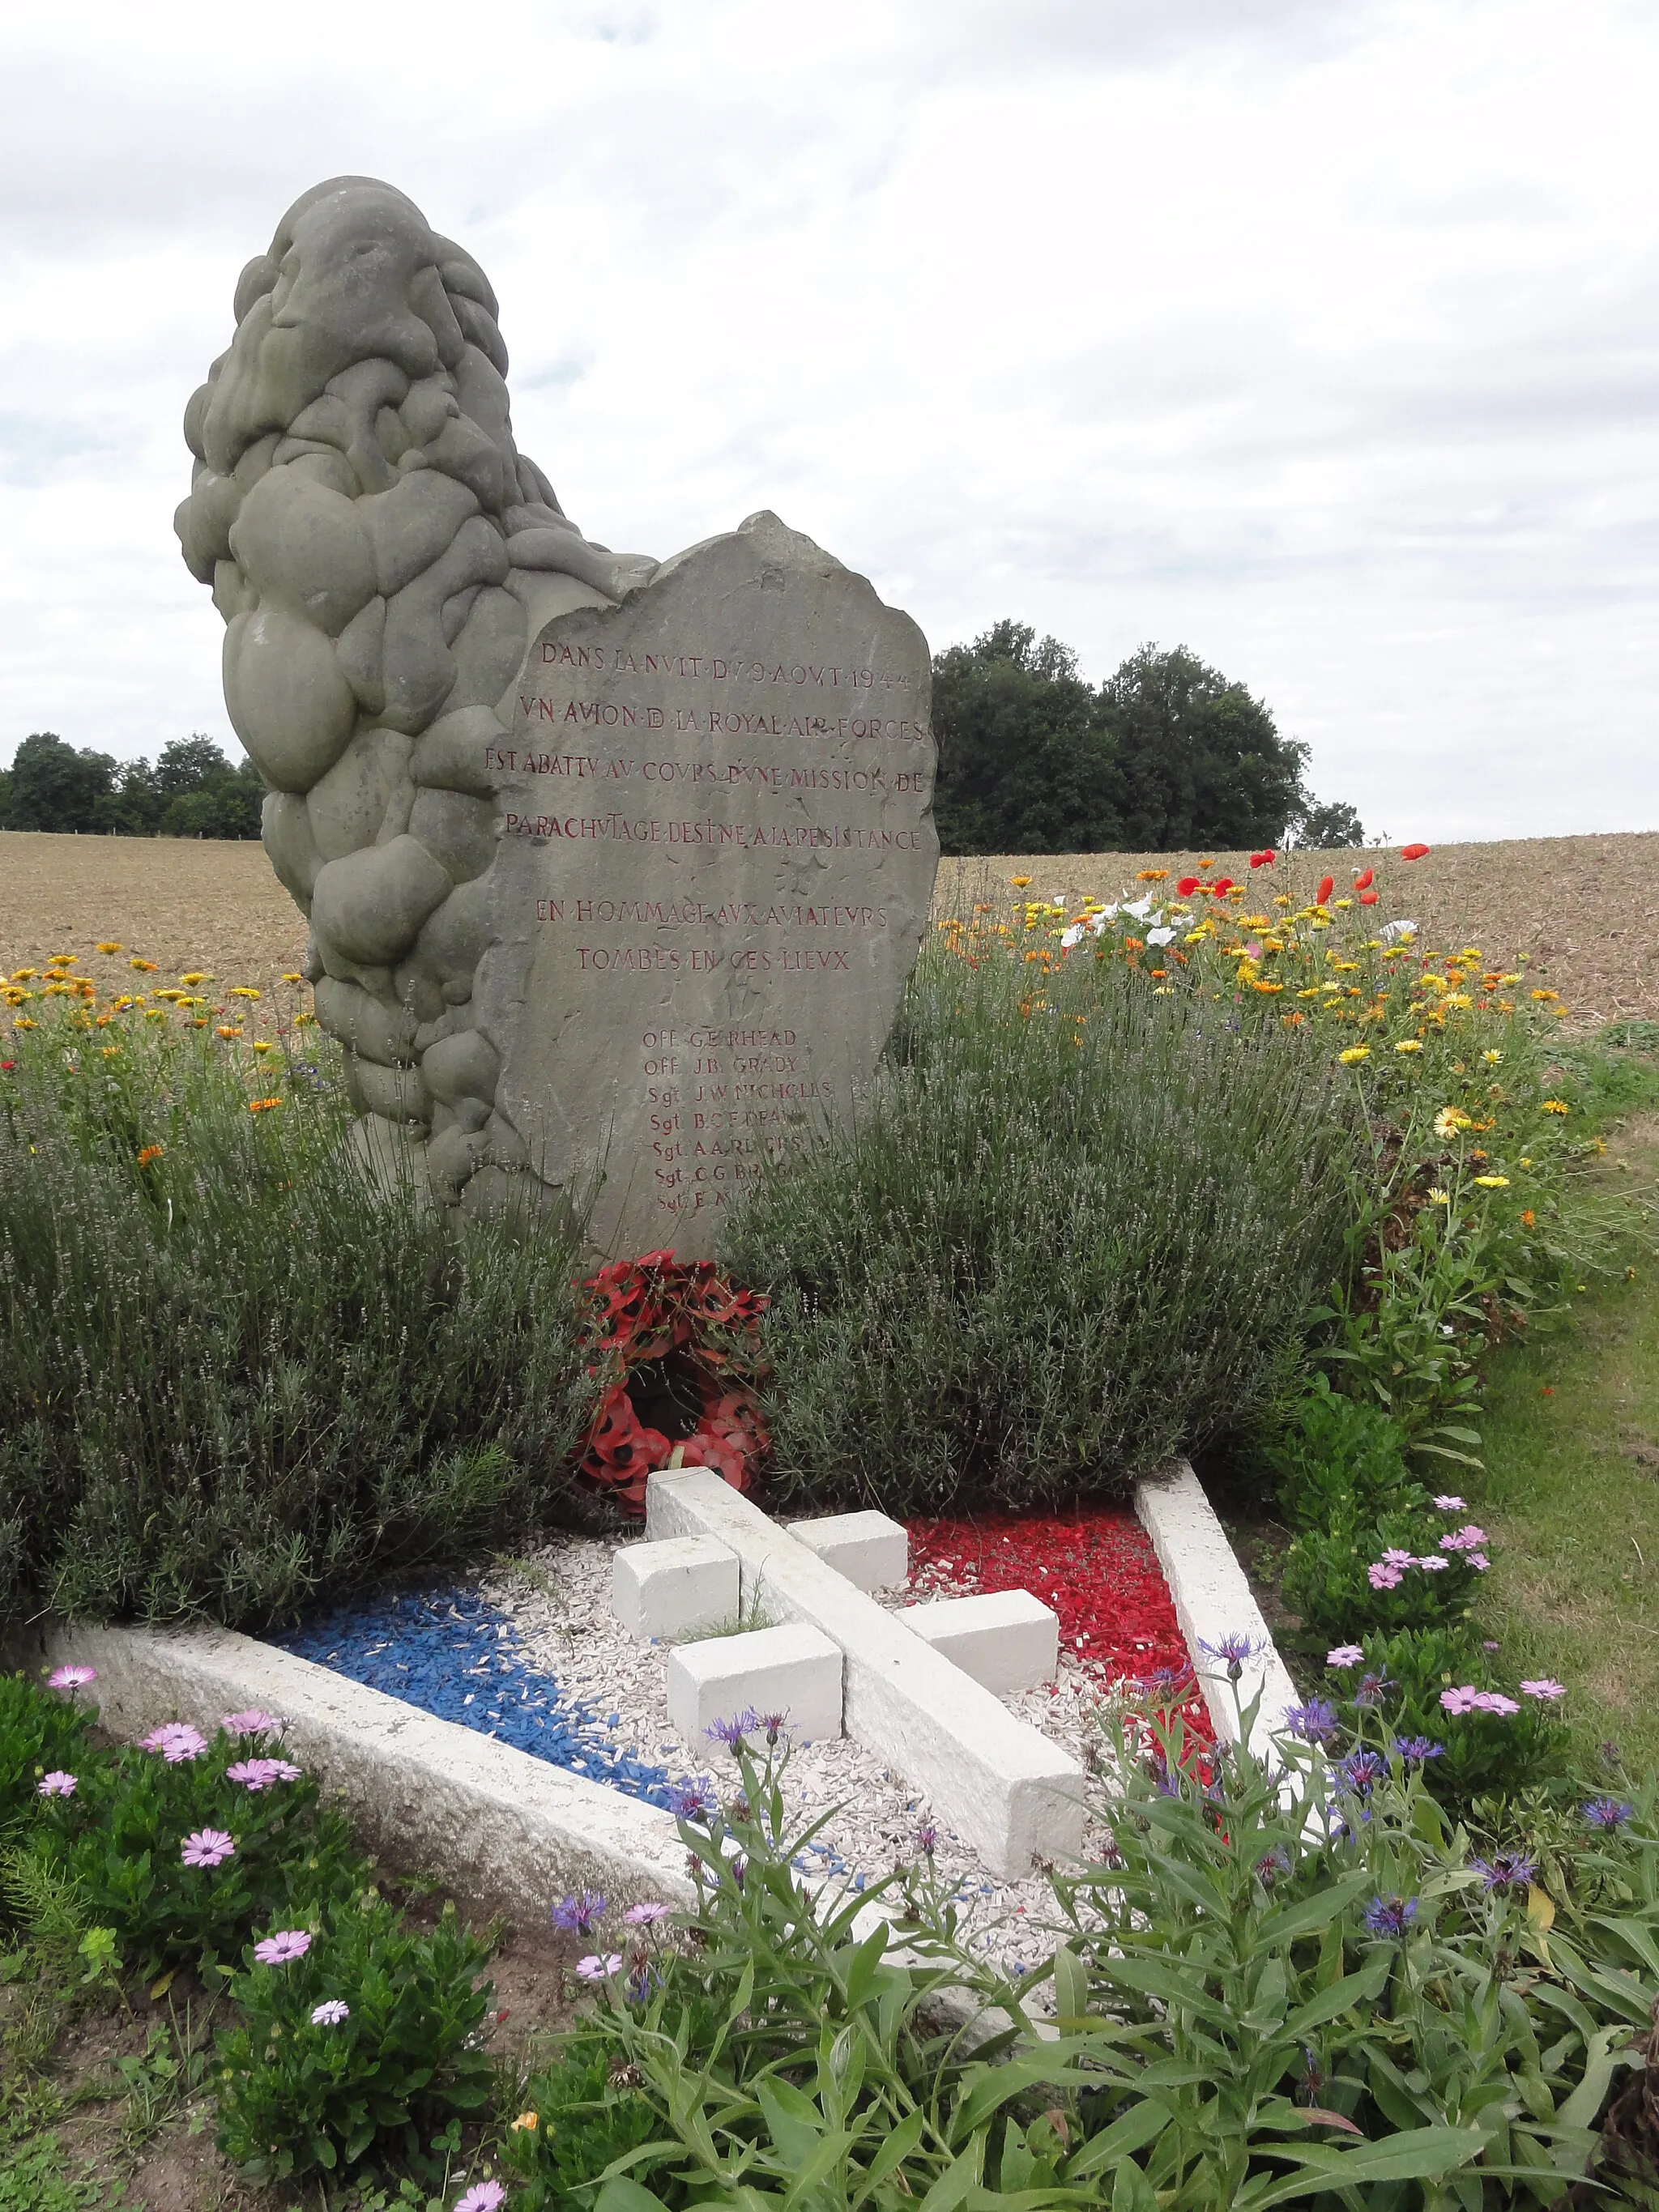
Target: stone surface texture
{"x": 612, "y": 870}
{"x": 871, "y": 1550}
{"x": 1008, "y": 1640}
{"x": 1213, "y": 1599}
{"x": 506, "y": 1832}
{"x": 791, "y": 1671}
{"x": 1012, "y": 1795}
{"x": 674, "y": 1588}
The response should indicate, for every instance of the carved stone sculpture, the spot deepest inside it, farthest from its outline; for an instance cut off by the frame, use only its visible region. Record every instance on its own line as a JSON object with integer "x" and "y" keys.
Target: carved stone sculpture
{"x": 389, "y": 567}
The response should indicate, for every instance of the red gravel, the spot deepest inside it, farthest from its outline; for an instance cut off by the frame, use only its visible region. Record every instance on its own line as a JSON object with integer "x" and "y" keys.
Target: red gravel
{"x": 1098, "y": 1571}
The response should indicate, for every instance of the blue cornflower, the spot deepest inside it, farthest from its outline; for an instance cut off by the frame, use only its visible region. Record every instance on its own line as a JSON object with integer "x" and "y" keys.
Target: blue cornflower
{"x": 1315, "y": 1722}
{"x": 1505, "y": 1871}
{"x": 1371, "y": 1688}
{"x": 1233, "y": 1649}
{"x": 1361, "y": 1770}
{"x": 580, "y": 1913}
{"x": 1608, "y": 1813}
{"x": 733, "y": 1731}
{"x": 1390, "y": 1916}
{"x": 690, "y": 1800}
{"x": 1415, "y": 1749}
{"x": 1274, "y": 1863}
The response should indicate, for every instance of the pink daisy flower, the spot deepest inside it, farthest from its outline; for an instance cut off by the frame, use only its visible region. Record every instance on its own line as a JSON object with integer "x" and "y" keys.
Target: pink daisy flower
{"x": 1345, "y": 1655}
{"x": 176, "y": 1741}
{"x": 482, "y": 2196}
{"x": 331, "y": 2013}
{"x": 1493, "y": 1701}
{"x": 1450, "y": 1505}
{"x": 254, "y": 1722}
{"x": 207, "y": 1847}
{"x": 286, "y": 1944}
{"x": 1434, "y": 1563}
{"x": 71, "y": 1678}
{"x": 1381, "y": 1575}
{"x": 1459, "y": 1701}
{"x": 1544, "y": 1688}
{"x": 260, "y": 1774}
{"x": 55, "y": 1784}
{"x": 594, "y": 1968}
{"x": 642, "y": 1916}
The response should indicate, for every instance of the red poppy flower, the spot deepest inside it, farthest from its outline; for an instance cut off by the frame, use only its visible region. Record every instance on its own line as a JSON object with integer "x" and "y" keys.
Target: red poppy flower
{"x": 1364, "y": 879}
{"x": 1368, "y": 898}
{"x": 1413, "y": 852}
{"x": 1221, "y": 886}
{"x": 1326, "y": 885}
{"x": 1263, "y": 859}
{"x": 1188, "y": 885}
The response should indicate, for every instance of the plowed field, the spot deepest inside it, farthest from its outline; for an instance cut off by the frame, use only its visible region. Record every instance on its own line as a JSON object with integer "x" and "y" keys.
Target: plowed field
{"x": 1585, "y": 910}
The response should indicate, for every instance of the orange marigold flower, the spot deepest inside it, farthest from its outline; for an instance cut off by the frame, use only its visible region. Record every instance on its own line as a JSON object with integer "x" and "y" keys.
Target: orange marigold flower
{"x": 150, "y": 1152}
{"x": 1151, "y": 875}
{"x": 1528, "y": 1219}
{"x": 145, "y": 967}
{"x": 262, "y": 1105}
{"x": 226, "y": 1029}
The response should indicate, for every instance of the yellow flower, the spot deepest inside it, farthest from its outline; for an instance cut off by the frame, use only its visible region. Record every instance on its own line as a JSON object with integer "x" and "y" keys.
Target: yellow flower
{"x": 1450, "y": 1120}
{"x": 155, "y": 1013}
{"x": 55, "y": 991}
{"x": 25, "y": 975}
{"x": 1494, "y": 1182}
{"x": 1409, "y": 1044}
{"x": 1312, "y": 992}
{"x": 1544, "y": 995}
{"x": 24, "y": 1023}
{"x": 197, "y": 975}
{"x": 300, "y": 1020}
{"x": 1019, "y": 882}
{"x": 109, "y": 948}
{"x": 1491, "y": 1058}
{"x": 66, "y": 959}
{"x": 226, "y": 1030}
{"x": 1341, "y": 902}
{"x": 145, "y": 967}
{"x": 109, "y": 1051}
{"x": 1438, "y": 1197}
{"x": 1556, "y": 1106}
{"x": 241, "y": 991}
{"x": 301, "y": 979}
{"x": 1355, "y": 1052}
{"x": 264, "y": 1044}
{"x": 1458, "y": 999}
{"x": 525, "y": 2120}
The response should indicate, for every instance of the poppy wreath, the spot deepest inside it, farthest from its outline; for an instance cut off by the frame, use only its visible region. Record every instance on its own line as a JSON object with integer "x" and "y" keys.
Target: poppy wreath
{"x": 678, "y": 1350}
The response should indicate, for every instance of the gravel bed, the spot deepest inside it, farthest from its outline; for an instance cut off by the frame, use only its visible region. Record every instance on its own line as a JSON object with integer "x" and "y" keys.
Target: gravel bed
{"x": 559, "y": 1604}
{"x": 532, "y": 1655}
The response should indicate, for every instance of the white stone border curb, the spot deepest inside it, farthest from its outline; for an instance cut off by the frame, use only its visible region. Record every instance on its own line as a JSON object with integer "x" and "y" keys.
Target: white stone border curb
{"x": 1212, "y": 1599}
{"x": 506, "y": 1831}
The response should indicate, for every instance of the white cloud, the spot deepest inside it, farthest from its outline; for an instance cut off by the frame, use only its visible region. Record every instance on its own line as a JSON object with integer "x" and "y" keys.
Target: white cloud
{"x": 1321, "y": 338}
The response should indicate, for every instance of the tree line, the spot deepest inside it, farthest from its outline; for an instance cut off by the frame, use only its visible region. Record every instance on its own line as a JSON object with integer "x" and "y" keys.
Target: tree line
{"x": 1165, "y": 756}
{"x": 192, "y": 790}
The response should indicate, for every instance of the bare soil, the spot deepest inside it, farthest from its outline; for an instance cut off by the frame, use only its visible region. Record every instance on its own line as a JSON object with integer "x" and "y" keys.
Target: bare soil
{"x": 1584, "y": 910}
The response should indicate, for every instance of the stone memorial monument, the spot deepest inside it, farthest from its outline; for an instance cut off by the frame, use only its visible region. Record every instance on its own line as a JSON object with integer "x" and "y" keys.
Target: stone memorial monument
{"x": 615, "y": 870}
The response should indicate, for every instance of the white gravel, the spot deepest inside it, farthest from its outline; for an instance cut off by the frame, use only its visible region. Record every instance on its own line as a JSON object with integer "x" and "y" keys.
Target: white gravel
{"x": 559, "y": 1600}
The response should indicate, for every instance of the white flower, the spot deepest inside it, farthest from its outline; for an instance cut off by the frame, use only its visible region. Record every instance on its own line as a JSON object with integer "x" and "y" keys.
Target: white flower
{"x": 1160, "y": 937}
{"x": 1070, "y": 937}
{"x": 1391, "y": 930}
{"x": 1140, "y": 908}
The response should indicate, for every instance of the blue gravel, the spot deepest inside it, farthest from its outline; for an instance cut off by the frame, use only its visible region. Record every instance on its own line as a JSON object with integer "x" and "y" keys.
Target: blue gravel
{"x": 454, "y": 1654}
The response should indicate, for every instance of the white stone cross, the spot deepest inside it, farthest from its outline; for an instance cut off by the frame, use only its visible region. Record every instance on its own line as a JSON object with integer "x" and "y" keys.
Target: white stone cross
{"x": 918, "y": 1687}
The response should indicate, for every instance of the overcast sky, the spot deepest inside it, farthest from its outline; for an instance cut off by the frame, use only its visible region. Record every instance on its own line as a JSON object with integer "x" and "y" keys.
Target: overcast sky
{"x": 1316, "y": 335}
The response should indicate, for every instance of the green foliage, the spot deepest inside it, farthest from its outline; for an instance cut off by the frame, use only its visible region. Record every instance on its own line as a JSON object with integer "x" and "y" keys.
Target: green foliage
{"x": 1335, "y": 1454}
{"x": 1167, "y": 755}
{"x": 296, "y": 2096}
{"x": 118, "y": 1841}
{"x": 39, "y": 1732}
{"x": 1495, "y": 1755}
{"x": 192, "y": 790}
{"x": 1074, "y": 1228}
{"x": 233, "y": 1376}
{"x": 589, "y": 2114}
{"x": 1203, "y": 763}
{"x": 1268, "y": 1995}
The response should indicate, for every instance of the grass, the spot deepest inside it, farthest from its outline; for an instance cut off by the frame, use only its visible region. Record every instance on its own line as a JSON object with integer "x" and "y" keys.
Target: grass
{"x": 1571, "y": 1497}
